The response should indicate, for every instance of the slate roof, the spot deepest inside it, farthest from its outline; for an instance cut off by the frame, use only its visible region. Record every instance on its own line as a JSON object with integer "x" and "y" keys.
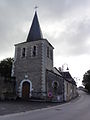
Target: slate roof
{"x": 35, "y": 30}
{"x": 55, "y": 70}
{"x": 66, "y": 74}
{"x": 68, "y": 77}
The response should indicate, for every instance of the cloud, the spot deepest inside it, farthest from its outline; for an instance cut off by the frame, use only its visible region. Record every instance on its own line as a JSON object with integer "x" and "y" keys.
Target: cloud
{"x": 65, "y": 23}
{"x": 75, "y": 39}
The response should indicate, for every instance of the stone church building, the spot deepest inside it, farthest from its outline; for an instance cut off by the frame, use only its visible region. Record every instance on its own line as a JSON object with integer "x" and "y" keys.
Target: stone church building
{"x": 36, "y": 78}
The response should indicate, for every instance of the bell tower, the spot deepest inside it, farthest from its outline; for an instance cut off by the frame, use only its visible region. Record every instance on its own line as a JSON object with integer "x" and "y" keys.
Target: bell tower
{"x": 32, "y": 59}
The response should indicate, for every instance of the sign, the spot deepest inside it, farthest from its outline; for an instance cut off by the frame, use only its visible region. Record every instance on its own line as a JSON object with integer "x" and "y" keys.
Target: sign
{"x": 49, "y": 94}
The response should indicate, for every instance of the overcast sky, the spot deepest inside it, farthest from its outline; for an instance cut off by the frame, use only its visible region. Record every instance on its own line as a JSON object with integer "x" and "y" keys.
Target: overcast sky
{"x": 65, "y": 23}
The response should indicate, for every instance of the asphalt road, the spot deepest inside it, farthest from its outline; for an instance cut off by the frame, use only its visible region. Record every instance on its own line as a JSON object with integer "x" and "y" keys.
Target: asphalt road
{"x": 78, "y": 109}
{"x": 10, "y": 107}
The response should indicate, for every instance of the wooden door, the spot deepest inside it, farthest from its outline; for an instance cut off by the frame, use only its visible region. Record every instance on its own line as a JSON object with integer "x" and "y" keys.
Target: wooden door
{"x": 25, "y": 90}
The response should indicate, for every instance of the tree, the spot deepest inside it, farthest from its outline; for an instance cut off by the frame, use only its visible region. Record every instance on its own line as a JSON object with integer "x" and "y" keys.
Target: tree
{"x": 86, "y": 80}
{"x": 6, "y": 67}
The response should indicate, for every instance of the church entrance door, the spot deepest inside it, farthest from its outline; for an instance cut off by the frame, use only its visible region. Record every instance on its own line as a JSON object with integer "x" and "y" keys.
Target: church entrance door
{"x": 25, "y": 90}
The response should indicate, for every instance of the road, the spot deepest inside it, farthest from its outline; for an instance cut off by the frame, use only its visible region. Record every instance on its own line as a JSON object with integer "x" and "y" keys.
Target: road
{"x": 78, "y": 109}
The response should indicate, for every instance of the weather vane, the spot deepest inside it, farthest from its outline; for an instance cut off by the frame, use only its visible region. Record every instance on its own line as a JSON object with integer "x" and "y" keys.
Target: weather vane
{"x": 36, "y": 7}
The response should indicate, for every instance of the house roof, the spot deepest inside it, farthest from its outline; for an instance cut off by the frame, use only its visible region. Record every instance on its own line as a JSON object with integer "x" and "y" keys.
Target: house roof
{"x": 35, "y": 32}
{"x": 66, "y": 74}
{"x": 68, "y": 77}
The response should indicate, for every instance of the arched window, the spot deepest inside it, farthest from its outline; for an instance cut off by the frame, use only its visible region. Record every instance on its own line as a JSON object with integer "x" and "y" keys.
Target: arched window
{"x": 34, "y": 50}
{"x": 55, "y": 85}
{"x": 51, "y": 54}
{"x": 48, "y": 52}
{"x": 23, "y": 52}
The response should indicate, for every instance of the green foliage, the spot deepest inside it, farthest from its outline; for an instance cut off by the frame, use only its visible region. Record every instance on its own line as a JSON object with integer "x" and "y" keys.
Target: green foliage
{"x": 6, "y": 67}
{"x": 86, "y": 80}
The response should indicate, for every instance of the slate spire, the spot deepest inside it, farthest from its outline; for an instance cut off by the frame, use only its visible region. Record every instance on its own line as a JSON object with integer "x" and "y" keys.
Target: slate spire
{"x": 35, "y": 30}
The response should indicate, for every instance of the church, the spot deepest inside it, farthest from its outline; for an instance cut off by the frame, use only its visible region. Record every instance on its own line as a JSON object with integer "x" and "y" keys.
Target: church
{"x": 36, "y": 77}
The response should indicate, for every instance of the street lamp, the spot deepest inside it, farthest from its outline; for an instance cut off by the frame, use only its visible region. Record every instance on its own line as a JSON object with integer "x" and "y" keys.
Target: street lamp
{"x": 65, "y": 67}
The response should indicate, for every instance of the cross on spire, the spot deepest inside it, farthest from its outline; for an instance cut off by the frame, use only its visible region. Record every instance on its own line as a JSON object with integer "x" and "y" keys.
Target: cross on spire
{"x": 36, "y": 7}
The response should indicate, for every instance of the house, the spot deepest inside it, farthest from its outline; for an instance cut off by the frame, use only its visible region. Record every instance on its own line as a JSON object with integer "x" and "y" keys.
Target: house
{"x": 70, "y": 87}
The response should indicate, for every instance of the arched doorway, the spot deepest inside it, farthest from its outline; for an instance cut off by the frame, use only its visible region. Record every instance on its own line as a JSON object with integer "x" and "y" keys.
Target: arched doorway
{"x": 25, "y": 90}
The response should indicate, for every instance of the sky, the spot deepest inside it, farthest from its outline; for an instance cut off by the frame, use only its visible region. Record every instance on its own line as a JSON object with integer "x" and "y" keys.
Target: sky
{"x": 64, "y": 23}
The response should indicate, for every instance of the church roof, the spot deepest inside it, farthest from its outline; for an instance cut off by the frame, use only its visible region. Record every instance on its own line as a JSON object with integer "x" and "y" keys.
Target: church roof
{"x": 35, "y": 30}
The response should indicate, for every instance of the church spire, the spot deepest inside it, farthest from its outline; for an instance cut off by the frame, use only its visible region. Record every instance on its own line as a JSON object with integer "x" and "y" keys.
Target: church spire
{"x": 35, "y": 30}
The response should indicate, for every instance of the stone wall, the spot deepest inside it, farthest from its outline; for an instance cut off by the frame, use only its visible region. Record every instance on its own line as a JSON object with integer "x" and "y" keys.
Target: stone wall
{"x": 7, "y": 88}
{"x": 32, "y": 66}
{"x": 70, "y": 90}
{"x": 55, "y": 87}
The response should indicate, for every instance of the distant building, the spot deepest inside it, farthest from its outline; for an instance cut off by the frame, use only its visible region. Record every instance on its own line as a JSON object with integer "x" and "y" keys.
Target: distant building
{"x": 36, "y": 78}
{"x": 70, "y": 88}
